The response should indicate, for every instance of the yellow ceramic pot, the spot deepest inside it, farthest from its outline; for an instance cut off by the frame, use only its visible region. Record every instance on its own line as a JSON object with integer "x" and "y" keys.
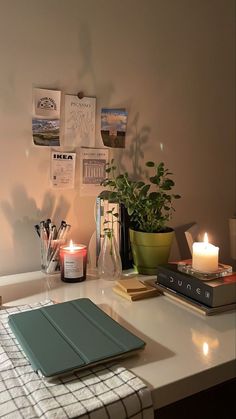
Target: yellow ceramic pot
{"x": 150, "y": 250}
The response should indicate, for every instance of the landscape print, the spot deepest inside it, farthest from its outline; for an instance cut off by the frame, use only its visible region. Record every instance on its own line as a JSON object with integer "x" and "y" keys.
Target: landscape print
{"x": 46, "y": 132}
{"x": 113, "y": 127}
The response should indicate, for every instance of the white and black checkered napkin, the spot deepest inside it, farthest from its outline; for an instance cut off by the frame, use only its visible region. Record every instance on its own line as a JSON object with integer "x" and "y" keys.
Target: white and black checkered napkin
{"x": 105, "y": 391}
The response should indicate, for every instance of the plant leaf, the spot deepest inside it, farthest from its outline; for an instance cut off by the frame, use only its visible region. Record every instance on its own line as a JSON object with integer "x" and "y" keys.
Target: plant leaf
{"x": 155, "y": 180}
{"x": 144, "y": 190}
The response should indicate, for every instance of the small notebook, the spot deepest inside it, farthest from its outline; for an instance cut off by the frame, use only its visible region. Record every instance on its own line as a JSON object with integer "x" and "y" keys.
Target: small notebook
{"x": 148, "y": 292}
{"x": 131, "y": 285}
{"x": 69, "y": 336}
{"x": 133, "y": 289}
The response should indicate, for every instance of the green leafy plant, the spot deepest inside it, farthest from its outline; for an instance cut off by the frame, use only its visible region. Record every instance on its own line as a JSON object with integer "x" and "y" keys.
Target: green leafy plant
{"x": 111, "y": 218}
{"x": 149, "y": 205}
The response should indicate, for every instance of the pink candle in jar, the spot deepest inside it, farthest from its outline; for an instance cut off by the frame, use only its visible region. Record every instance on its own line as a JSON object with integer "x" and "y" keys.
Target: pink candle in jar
{"x": 73, "y": 262}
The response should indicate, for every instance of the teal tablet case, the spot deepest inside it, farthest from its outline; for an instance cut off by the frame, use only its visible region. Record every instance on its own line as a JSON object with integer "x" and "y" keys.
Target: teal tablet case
{"x": 72, "y": 335}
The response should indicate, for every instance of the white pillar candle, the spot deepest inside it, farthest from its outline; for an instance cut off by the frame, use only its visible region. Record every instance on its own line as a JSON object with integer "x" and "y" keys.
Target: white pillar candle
{"x": 205, "y": 256}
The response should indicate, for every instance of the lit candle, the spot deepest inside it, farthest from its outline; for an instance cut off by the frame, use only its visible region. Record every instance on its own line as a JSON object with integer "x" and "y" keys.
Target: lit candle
{"x": 73, "y": 261}
{"x": 205, "y": 256}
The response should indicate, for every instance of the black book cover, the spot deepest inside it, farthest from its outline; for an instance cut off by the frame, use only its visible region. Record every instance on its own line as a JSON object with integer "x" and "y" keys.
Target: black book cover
{"x": 216, "y": 292}
{"x": 193, "y": 304}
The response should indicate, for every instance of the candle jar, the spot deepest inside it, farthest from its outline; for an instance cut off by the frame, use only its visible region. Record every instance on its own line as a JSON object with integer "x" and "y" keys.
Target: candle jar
{"x": 73, "y": 262}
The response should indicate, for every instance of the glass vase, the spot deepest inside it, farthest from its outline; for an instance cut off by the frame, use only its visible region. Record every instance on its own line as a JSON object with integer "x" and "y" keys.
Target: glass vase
{"x": 109, "y": 261}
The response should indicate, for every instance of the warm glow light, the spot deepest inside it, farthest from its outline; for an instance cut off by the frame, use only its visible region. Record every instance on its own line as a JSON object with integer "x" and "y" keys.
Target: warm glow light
{"x": 205, "y": 238}
{"x": 205, "y": 348}
{"x": 204, "y": 343}
{"x": 71, "y": 246}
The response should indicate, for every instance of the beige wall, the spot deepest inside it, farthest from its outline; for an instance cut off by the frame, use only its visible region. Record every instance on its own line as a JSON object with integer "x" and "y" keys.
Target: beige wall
{"x": 171, "y": 63}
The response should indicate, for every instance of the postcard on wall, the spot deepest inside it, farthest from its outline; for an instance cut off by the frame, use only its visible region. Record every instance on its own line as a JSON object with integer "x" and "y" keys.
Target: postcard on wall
{"x": 92, "y": 170}
{"x": 80, "y": 121}
{"x": 113, "y": 127}
{"x": 46, "y": 117}
{"x": 62, "y": 174}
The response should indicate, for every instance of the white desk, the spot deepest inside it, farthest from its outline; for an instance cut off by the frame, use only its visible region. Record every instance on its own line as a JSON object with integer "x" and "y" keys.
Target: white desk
{"x": 186, "y": 352}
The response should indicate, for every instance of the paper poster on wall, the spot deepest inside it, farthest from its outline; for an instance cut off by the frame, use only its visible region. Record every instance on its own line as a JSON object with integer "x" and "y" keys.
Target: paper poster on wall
{"x": 62, "y": 172}
{"x": 80, "y": 121}
{"x": 113, "y": 127}
{"x": 46, "y": 117}
{"x": 92, "y": 170}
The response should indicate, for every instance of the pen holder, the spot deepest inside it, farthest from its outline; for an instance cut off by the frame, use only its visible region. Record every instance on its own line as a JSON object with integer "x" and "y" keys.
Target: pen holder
{"x": 51, "y": 239}
{"x": 50, "y": 263}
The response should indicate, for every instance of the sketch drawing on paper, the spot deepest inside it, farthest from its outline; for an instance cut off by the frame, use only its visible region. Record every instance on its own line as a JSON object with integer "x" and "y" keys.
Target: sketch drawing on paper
{"x": 80, "y": 121}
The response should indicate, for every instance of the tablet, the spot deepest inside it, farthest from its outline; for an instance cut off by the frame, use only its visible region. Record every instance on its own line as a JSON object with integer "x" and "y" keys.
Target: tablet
{"x": 69, "y": 336}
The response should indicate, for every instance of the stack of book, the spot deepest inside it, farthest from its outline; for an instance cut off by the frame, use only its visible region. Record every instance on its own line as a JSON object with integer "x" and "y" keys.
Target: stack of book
{"x": 120, "y": 229}
{"x": 208, "y": 296}
{"x": 132, "y": 289}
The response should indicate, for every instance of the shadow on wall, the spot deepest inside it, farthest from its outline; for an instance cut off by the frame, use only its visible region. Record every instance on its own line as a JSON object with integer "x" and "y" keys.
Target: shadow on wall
{"x": 138, "y": 139}
{"x": 22, "y": 214}
{"x": 87, "y": 69}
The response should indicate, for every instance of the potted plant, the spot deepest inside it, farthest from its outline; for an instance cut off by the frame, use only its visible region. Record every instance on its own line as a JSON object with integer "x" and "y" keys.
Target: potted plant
{"x": 149, "y": 206}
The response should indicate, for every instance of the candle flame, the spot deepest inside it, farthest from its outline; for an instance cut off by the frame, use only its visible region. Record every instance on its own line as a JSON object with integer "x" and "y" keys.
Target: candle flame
{"x": 71, "y": 245}
{"x": 205, "y": 238}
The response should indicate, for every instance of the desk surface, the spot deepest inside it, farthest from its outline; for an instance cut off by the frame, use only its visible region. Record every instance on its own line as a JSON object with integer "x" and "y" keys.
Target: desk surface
{"x": 186, "y": 352}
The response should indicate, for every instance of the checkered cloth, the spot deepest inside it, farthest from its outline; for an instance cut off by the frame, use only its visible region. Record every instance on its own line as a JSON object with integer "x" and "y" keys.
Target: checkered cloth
{"x": 105, "y": 391}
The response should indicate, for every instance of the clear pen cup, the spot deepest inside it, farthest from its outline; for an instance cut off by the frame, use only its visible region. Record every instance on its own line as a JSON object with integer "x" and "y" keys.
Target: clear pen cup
{"x": 50, "y": 252}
